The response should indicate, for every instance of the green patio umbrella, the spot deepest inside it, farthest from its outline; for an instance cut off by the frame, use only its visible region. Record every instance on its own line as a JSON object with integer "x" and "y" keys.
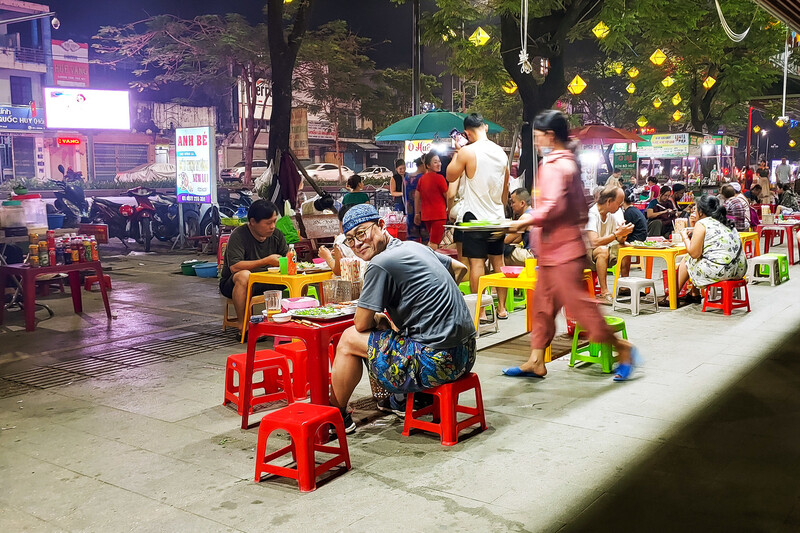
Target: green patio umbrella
{"x": 428, "y": 125}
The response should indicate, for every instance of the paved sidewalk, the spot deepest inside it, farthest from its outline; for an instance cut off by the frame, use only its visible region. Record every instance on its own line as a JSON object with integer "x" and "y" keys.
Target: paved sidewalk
{"x": 130, "y": 434}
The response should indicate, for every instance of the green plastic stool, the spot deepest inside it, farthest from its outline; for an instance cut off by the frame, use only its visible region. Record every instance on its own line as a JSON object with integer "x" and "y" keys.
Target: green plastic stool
{"x": 597, "y": 352}
{"x": 312, "y": 292}
{"x": 513, "y": 301}
{"x": 783, "y": 267}
{"x": 464, "y": 287}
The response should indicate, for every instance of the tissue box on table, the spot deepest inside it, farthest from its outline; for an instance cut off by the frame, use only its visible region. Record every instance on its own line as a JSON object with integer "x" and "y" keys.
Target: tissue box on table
{"x": 303, "y": 302}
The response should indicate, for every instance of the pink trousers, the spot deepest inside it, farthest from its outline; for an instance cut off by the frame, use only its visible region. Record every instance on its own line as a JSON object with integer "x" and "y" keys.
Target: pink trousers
{"x": 563, "y": 286}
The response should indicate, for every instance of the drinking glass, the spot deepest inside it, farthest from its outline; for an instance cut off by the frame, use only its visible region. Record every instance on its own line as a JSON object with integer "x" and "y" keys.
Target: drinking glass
{"x": 272, "y": 301}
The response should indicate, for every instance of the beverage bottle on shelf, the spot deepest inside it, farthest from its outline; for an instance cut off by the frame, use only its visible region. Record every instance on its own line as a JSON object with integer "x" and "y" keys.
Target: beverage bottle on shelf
{"x": 51, "y": 256}
{"x": 291, "y": 259}
{"x": 87, "y": 249}
{"x": 73, "y": 251}
{"x": 81, "y": 251}
{"x": 60, "y": 259}
{"x": 51, "y": 238}
{"x": 95, "y": 252}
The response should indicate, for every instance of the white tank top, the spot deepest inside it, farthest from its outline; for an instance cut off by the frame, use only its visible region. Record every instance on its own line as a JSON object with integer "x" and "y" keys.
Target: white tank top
{"x": 483, "y": 192}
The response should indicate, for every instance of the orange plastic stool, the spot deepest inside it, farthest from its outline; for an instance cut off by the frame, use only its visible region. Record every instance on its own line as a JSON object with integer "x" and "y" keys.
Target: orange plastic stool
{"x": 726, "y": 301}
{"x": 91, "y": 280}
{"x": 265, "y": 361}
{"x": 302, "y": 421}
{"x": 445, "y": 409}
{"x": 295, "y": 351}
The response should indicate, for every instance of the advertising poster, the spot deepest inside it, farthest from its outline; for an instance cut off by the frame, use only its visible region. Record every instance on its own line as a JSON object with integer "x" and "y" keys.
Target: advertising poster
{"x": 414, "y": 150}
{"x": 195, "y": 157}
{"x": 298, "y": 132}
{"x": 84, "y": 109}
{"x": 21, "y": 118}
{"x": 70, "y": 63}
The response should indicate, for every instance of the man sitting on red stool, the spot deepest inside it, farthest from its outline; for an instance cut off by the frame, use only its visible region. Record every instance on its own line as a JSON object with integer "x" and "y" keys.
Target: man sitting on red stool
{"x": 431, "y": 337}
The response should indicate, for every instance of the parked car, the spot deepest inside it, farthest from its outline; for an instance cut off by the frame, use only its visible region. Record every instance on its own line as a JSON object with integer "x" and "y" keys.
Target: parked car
{"x": 327, "y": 171}
{"x": 148, "y": 172}
{"x": 376, "y": 172}
{"x": 236, "y": 172}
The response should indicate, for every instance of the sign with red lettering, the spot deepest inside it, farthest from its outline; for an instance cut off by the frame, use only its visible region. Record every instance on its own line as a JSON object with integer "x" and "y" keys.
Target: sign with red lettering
{"x": 195, "y": 157}
{"x": 70, "y": 63}
{"x": 66, "y": 141}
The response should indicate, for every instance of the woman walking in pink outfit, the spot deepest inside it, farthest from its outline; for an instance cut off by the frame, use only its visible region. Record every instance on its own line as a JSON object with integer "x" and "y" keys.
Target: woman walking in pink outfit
{"x": 557, "y": 241}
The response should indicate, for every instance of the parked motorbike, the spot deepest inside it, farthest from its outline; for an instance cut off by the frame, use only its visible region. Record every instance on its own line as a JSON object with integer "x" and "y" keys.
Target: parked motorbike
{"x": 71, "y": 200}
{"x": 125, "y": 221}
{"x": 166, "y": 218}
{"x": 229, "y": 202}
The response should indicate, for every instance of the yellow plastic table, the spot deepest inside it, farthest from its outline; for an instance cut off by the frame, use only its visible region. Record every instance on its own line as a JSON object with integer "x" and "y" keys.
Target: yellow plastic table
{"x": 667, "y": 254}
{"x": 295, "y": 284}
{"x": 751, "y": 236}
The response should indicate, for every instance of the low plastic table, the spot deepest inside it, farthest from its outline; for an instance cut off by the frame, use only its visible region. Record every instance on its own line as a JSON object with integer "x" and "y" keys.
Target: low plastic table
{"x": 295, "y": 284}
{"x": 790, "y": 228}
{"x": 751, "y": 236}
{"x": 316, "y": 340}
{"x": 28, "y": 274}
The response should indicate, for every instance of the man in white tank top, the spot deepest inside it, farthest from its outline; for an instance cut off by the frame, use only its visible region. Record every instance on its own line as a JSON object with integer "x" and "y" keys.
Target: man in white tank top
{"x": 485, "y": 166}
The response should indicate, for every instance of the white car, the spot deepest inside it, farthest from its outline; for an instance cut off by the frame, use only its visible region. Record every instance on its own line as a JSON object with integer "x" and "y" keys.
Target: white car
{"x": 236, "y": 172}
{"x": 376, "y": 172}
{"x": 327, "y": 171}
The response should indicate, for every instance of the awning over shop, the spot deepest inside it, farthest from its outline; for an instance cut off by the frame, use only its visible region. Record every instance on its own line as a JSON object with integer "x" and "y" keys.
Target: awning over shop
{"x": 788, "y": 11}
{"x": 367, "y": 146}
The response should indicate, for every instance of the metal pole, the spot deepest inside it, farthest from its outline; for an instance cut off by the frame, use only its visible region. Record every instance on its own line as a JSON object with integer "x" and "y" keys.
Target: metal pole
{"x": 785, "y": 70}
{"x": 749, "y": 136}
{"x": 180, "y": 242}
{"x": 416, "y": 60}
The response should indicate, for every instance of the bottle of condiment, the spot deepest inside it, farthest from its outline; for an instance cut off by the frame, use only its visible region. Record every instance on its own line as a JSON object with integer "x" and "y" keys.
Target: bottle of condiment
{"x": 291, "y": 259}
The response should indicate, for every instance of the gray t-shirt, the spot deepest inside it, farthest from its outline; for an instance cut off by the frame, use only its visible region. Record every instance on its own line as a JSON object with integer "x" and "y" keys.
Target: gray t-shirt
{"x": 242, "y": 246}
{"x": 413, "y": 284}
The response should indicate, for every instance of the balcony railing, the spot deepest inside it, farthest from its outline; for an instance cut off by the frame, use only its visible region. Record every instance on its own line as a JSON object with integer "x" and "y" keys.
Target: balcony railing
{"x": 25, "y": 55}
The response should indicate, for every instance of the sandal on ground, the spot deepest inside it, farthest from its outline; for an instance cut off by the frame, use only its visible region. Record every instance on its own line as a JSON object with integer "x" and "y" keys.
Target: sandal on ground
{"x": 604, "y": 299}
{"x": 502, "y": 317}
{"x": 625, "y": 370}
{"x": 517, "y": 372}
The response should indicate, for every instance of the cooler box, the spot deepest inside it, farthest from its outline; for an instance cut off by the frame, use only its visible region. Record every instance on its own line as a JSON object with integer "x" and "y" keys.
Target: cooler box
{"x": 100, "y": 231}
{"x": 35, "y": 210}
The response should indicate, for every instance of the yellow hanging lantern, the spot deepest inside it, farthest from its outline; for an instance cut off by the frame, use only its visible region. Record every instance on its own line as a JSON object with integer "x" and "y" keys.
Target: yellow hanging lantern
{"x": 780, "y": 122}
{"x": 676, "y": 116}
{"x": 617, "y": 67}
{"x": 756, "y": 129}
{"x": 510, "y": 87}
{"x": 709, "y": 82}
{"x": 657, "y": 102}
{"x": 658, "y": 57}
{"x": 677, "y": 99}
{"x": 633, "y": 72}
{"x": 601, "y": 30}
{"x": 668, "y": 81}
{"x": 449, "y": 35}
{"x": 631, "y": 88}
{"x": 577, "y": 85}
{"x": 479, "y": 37}
{"x": 792, "y": 144}
{"x": 642, "y": 122}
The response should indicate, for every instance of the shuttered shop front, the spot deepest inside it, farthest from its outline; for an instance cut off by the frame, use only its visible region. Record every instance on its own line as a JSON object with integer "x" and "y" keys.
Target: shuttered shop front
{"x": 110, "y": 159}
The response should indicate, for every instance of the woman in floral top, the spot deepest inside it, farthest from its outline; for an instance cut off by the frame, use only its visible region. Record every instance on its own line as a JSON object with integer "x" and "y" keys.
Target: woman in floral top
{"x": 715, "y": 248}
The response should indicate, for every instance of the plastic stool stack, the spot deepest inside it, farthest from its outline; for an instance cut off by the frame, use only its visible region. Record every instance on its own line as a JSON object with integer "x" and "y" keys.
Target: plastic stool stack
{"x": 295, "y": 351}
{"x": 265, "y": 360}
{"x": 486, "y": 301}
{"x": 763, "y": 268}
{"x": 303, "y": 422}
{"x": 637, "y": 286}
{"x": 445, "y": 410}
{"x": 597, "y": 352}
{"x": 727, "y": 302}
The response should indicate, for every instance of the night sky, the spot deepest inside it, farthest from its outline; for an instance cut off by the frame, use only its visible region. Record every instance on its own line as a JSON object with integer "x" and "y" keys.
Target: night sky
{"x": 377, "y": 19}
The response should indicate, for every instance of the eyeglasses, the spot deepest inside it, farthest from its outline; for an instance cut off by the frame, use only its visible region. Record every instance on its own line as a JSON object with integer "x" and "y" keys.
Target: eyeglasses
{"x": 359, "y": 235}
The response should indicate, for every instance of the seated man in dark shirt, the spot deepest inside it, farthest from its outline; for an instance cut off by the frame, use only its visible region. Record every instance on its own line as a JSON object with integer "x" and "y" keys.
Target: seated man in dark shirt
{"x": 633, "y": 216}
{"x": 252, "y": 248}
{"x": 660, "y": 213}
{"x": 430, "y": 339}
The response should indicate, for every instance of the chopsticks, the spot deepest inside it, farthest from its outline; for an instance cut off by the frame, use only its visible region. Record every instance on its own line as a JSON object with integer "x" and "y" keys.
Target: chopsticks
{"x": 306, "y": 323}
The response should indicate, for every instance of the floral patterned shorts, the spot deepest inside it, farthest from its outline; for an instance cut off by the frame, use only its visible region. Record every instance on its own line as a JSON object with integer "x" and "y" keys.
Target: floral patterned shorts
{"x": 400, "y": 364}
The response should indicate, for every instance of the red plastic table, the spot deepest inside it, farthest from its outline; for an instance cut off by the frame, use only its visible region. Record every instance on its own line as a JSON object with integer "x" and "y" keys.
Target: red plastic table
{"x": 790, "y": 227}
{"x": 28, "y": 275}
{"x": 316, "y": 340}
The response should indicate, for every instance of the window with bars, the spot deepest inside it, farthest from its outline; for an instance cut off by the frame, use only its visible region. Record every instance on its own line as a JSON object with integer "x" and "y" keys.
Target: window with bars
{"x": 109, "y": 159}
{"x": 21, "y": 93}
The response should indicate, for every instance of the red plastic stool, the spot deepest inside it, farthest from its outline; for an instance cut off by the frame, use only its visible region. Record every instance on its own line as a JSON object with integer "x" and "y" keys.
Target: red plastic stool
{"x": 748, "y": 251}
{"x": 265, "y": 361}
{"x": 91, "y": 280}
{"x": 302, "y": 421}
{"x": 769, "y": 238}
{"x": 445, "y": 408}
{"x": 726, "y": 302}
{"x": 665, "y": 277}
{"x": 295, "y": 351}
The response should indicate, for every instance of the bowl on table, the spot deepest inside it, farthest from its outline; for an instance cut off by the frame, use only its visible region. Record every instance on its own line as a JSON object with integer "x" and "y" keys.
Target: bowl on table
{"x": 281, "y": 318}
{"x": 512, "y": 271}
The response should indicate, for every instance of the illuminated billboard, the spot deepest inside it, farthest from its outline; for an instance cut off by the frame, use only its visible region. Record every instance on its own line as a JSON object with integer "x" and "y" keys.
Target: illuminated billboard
{"x": 85, "y": 109}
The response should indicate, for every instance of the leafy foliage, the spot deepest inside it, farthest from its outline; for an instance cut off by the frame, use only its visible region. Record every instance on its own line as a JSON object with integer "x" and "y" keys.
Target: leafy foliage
{"x": 390, "y": 99}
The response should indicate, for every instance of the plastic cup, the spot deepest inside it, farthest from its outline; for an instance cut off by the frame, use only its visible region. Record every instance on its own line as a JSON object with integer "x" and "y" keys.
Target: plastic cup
{"x": 284, "y": 264}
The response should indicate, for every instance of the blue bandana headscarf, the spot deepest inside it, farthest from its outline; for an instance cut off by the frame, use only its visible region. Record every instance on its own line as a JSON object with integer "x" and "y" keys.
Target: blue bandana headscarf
{"x": 357, "y": 215}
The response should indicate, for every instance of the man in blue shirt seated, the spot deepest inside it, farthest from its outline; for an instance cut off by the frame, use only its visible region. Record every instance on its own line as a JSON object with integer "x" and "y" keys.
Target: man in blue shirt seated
{"x": 411, "y": 326}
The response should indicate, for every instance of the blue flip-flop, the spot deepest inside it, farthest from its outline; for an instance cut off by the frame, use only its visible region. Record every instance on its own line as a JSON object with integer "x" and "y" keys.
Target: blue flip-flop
{"x": 517, "y": 372}
{"x": 624, "y": 371}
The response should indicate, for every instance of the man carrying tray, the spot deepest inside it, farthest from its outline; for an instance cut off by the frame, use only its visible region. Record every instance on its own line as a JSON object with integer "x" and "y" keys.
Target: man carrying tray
{"x": 430, "y": 339}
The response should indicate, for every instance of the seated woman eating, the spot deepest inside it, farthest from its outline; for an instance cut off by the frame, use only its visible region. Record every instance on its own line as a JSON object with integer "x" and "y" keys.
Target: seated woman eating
{"x": 715, "y": 249}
